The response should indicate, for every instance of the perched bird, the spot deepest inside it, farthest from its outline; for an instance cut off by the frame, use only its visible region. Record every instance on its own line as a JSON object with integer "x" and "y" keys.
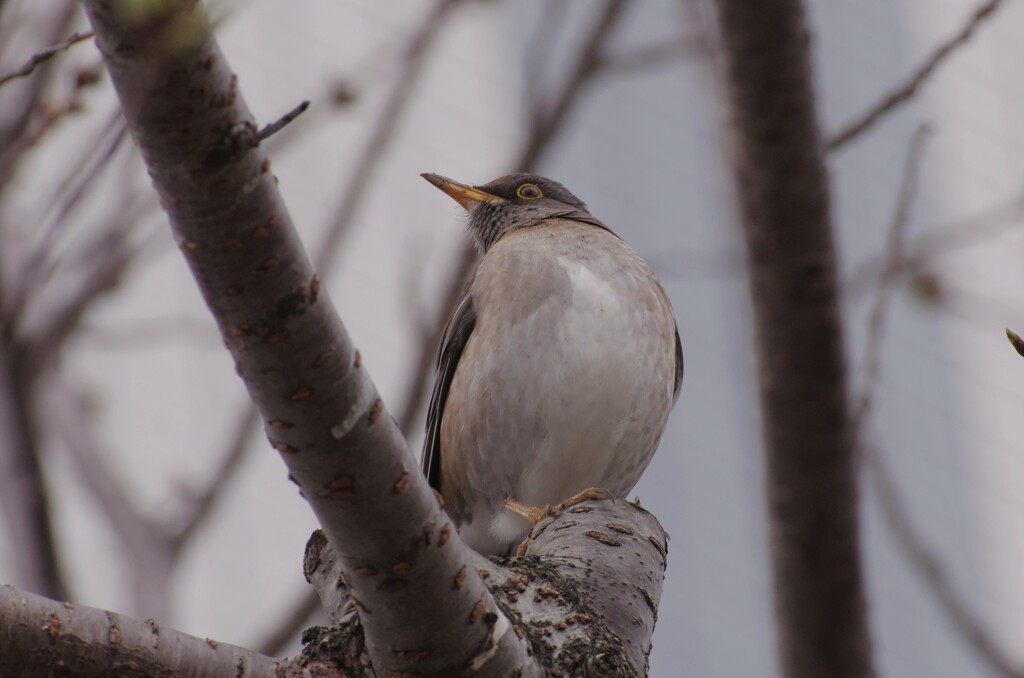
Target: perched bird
{"x": 558, "y": 368}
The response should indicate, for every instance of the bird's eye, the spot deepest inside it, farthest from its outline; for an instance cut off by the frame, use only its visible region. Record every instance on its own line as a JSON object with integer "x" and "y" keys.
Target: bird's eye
{"x": 529, "y": 192}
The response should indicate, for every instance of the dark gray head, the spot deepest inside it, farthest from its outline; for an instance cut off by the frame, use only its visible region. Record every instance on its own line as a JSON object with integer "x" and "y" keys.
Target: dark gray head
{"x": 510, "y": 202}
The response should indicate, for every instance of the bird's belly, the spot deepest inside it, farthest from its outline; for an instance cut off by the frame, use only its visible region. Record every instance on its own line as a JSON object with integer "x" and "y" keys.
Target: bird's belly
{"x": 586, "y": 406}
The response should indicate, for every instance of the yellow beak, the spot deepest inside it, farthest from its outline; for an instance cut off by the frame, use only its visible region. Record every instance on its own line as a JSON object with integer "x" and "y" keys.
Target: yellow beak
{"x": 465, "y": 195}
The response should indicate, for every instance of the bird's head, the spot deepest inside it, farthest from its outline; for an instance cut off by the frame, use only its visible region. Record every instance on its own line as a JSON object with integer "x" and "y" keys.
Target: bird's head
{"x": 508, "y": 203}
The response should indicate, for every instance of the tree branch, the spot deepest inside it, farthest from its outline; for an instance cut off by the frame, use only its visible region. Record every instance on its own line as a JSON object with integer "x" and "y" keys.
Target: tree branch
{"x": 321, "y": 410}
{"x": 380, "y": 138}
{"x": 812, "y": 492}
{"x": 586, "y": 620}
{"x": 919, "y": 555}
{"x": 904, "y": 92}
{"x": 44, "y": 637}
{"x": 43, "y": 56}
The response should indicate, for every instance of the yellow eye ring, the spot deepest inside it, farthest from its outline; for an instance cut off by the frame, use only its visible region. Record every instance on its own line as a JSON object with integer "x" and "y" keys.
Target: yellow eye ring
{"x": 529, "y": 192}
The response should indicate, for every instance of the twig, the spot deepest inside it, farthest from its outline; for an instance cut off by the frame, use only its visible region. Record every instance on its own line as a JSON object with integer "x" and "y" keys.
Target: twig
{"x": 45, "y": 55}
{"x": 302, "y": 614}
{"x": 279, "y": 124}
{"x": 363, "y": 169}
{"x": 656, "y": 55}
{"x": 896, "y": 515}
{"x": 925, "y": 561}
{"x": 904, "y": 92}
{"x": 887, "y": 282}
{"x": 988, "y": 223}
{"x": 1015, "y": 341}
{"x": 203, "y": 504}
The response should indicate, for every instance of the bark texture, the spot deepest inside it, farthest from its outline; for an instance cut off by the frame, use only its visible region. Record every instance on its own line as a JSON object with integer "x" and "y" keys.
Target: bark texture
{"x": 585, "y": 597}
{"x": 43, "y": 637}
{"x": 321, "y": 411}
{"x": 812, "y": 486}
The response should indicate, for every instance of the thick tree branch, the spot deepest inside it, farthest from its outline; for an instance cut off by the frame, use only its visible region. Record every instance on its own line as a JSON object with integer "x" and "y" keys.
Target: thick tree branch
{"x": 322, "y": 412}
{"x": 591, "y": 621}
{"x": 904, "y": 92}
{"x": 812, "y": 485}
{"x": 43, "y": 637}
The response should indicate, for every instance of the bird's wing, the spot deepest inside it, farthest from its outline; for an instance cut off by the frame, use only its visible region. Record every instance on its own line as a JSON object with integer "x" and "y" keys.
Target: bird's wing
{"x": 585, "y": 217}
{"x": 679, "y": 367}
{"x": 456, "y": 334}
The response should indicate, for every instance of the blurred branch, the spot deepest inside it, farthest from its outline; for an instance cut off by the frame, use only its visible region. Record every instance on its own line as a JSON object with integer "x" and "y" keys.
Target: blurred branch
{"x": 302, "y": 614}
{"x": 201, "y": 506}
{"x": 905, "y": 91}
{"x": 956, "y": 235}
{"x": 656, "y": 55}
{"x": 44, "y": 55}
{"x": 547, "y": 121}
{"x": 887, "y": 282}
{"x": 811, "y": 482}
{"x": 421, "y": 41}
{"x": 920, "y": 556}
{"x": 923, "y": 559}
{"x": 24, "y": 495}
{"x": 12, "y": 146}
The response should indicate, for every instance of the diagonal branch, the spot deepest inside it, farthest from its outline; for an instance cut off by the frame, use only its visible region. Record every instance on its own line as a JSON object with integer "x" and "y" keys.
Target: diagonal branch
{"x": 321, "y": 410}
{"x": 383, "y": 133}
{"x": 902, "y": 93}
{"x": 43, "y": 56}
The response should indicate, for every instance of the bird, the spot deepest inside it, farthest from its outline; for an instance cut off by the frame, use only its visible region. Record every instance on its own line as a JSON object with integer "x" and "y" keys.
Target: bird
{"x": 558, "y": 367}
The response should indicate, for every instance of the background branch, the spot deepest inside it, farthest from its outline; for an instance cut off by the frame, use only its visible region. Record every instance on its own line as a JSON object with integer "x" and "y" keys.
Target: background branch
{"x": 902, "y": 93}
{"x": 783, "y": 185}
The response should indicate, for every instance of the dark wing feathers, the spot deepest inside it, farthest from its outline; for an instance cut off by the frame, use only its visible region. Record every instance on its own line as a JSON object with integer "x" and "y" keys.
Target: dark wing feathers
{"x": 456, "y": 334}
{"x": 679, "y": 367}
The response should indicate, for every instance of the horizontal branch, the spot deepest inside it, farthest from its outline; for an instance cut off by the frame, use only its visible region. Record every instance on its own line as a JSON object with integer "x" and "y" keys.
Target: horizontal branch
{"x": 45, "y": 637}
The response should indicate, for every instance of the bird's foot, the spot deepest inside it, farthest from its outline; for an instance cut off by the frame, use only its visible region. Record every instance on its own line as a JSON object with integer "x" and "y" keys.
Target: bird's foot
{"x": 589, "y": 493}
{"x": 534, "y": 514}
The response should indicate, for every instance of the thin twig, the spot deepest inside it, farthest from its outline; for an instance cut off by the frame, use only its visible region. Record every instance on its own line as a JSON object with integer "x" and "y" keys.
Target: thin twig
{"x": 903, "y": 93}
{"x": 924, "y": 560}
{"x": 45, "y": 55}
{"x": 887, "y": 282}
{"x": 896, "y": 515}
{"x": 202, "y": 505}
{"x": 279, "y": 124}
{"x": 363, "y": 169}
{"x": 953, "y": 236}
{"x": 656, "y": 55}
{"x": 303, "y": 613}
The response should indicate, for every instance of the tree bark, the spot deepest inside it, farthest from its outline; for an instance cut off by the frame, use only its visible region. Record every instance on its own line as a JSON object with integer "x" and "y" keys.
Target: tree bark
{"x": 424, "y": 607}
{"x": 43, "y": 637}
{"x": 812, "y": 486}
